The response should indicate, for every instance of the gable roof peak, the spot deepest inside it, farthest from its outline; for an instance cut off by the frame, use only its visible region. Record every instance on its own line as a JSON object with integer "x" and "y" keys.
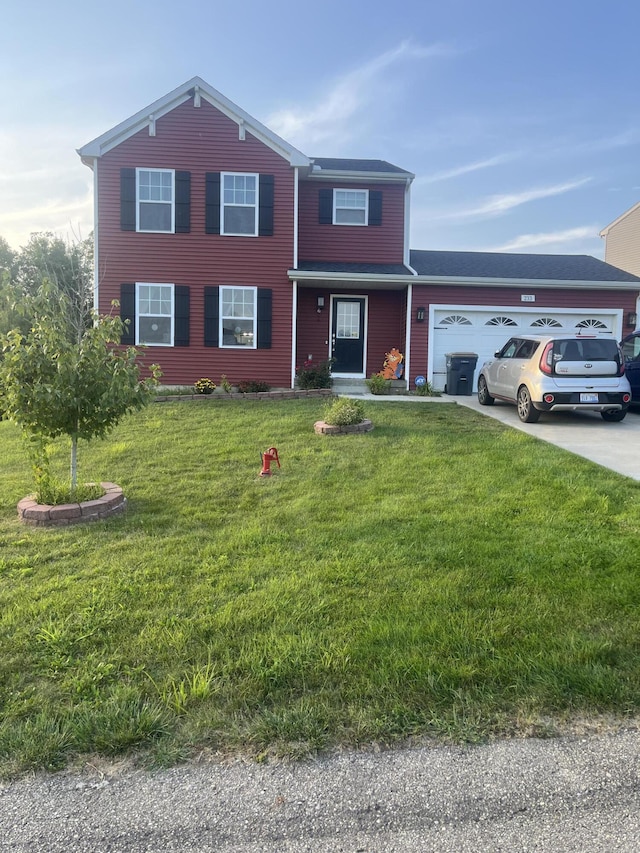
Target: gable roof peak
{"x": 196, "y": 88}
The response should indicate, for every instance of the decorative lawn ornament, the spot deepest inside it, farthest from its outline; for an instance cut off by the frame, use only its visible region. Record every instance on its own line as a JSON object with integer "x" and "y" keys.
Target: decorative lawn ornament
{"x": 393, "y": 367}
{"x": 269, "y": 456}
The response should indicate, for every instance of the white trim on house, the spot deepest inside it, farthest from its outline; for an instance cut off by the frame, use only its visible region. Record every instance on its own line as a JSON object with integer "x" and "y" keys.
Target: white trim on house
{"x": 199, "y": 89}
{"x": 224, "y": 204}
{"x": 139, "y": 314}
{"x": 622, "y": 216}
{"x": 96, "y": 255}
{"x": 337, "y": 207}
{"x": 318, "y": 275}
{"x": 172, "y": 203}
{"x": 365, "y": 332}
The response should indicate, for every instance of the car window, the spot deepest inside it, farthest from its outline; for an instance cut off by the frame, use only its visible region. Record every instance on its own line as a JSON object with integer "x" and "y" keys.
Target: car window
{"x": 509, "y": 349}
{"x": 526, "y": 349}
{"x": 591, "y": 349}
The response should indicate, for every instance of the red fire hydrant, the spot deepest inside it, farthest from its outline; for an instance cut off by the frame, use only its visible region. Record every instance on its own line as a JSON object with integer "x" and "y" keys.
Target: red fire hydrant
{"x": 269, "y": 456}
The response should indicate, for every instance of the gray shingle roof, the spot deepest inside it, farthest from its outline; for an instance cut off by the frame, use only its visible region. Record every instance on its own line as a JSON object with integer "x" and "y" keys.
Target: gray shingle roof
{"x": 341, "y": 164}
{"x": 495, "y": 265}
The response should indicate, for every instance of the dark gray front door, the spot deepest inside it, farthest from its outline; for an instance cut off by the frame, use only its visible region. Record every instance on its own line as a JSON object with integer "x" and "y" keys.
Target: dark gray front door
{"x": 347, "y": 335}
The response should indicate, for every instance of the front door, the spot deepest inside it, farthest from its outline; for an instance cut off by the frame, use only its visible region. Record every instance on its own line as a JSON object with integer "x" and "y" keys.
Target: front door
{"x": 348, "y": 335}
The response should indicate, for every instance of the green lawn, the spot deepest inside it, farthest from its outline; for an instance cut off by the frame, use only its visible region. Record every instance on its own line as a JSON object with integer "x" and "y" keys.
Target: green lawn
{"x": 441, "y": 575}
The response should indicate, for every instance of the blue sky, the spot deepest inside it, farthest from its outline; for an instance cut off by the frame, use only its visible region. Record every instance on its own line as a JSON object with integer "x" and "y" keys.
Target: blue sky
{"x": 521, "y": 121}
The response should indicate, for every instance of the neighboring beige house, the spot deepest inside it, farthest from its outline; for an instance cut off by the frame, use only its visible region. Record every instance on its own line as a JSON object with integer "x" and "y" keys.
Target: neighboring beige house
{"x": 622, "y": 241}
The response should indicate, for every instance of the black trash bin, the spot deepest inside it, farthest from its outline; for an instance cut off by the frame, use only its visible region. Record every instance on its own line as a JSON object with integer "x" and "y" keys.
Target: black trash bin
{"x": 460, "y": 369}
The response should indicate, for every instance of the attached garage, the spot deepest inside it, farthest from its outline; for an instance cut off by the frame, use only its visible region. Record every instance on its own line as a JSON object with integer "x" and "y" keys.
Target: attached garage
{"x": 483, "y": 330}
{"x": 475, "y": 301}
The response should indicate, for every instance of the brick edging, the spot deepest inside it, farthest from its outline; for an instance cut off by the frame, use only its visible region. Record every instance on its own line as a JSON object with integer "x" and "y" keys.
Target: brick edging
{"x": 43, "y": 515}
{"x": 293, "y": 394}
{"x": 322, "y": 428}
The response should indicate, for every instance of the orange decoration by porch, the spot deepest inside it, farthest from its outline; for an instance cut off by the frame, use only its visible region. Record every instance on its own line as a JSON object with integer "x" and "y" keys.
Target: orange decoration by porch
{"x": 393, "y": 367}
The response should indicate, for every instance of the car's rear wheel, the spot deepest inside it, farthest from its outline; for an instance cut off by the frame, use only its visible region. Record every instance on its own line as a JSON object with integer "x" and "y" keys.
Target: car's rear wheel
{"x": 484, "y": 397}
{"x": 526, "y": 412}
{"x": 613, "y": 416}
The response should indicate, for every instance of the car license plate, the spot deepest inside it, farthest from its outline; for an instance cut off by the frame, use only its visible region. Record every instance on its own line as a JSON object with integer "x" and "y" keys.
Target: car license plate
{"x": 588, "y": 398}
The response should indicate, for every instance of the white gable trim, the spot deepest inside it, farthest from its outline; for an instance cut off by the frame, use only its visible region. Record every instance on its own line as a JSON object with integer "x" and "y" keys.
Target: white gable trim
{"x": 199, "y": 89}
{"x": 622, "y": 216}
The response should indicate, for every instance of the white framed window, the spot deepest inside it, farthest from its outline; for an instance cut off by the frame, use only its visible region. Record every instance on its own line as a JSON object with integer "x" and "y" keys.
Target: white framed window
{"x": 350, "y": 207}
{"x": 238, "y": 316}
{"x": 155, "y": 200}
{"x": 154, "y": 315}
{"x": 239, "y": 204}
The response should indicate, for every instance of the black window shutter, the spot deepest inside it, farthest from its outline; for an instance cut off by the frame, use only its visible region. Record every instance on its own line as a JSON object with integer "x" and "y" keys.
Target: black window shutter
{"x": 211, "y": 316}
{"x": 183, "y": 202}
{"x": 265, "y": 214}
{"x": 264, "y": 317}
{"x": 325, "y": 207}
{"x": 375, "y": 207}
{"x": 212, "y": 204}
{"x": 127, "y": 199}
{"x": 128, "y": 312}
{"x": 181, "y": 319}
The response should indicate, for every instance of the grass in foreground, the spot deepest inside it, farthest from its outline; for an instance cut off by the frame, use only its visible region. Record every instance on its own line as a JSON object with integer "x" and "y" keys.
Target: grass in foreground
{"x": 442, "y": 575}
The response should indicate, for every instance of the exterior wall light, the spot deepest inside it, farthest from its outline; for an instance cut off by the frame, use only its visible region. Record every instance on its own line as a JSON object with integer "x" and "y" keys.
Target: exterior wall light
{"x": 419, "y": 315}
{"x": 632, "y": 319}
{"x": 320, "y": 303}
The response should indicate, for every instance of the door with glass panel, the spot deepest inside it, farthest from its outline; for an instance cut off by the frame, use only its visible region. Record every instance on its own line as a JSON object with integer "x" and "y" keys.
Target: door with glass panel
{"x": 348, "y": 335}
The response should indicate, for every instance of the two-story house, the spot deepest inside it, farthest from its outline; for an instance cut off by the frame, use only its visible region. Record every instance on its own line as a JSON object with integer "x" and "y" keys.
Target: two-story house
{"x": 231, "y": 252}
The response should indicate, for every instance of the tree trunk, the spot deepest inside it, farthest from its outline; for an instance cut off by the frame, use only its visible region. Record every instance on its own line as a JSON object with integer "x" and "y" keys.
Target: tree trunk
{"x": 74, "y": 461}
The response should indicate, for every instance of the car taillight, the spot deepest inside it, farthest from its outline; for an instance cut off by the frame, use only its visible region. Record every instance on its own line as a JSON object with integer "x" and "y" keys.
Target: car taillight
{"x": 546, "y": 359}
{"x": 620, "y": 362}
{"x": 549, "y": 398}
{"x": 626, "y": 398}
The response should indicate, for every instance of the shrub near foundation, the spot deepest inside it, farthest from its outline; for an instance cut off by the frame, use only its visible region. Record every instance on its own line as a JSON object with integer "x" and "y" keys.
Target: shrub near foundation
{"x": 344, "y": 412}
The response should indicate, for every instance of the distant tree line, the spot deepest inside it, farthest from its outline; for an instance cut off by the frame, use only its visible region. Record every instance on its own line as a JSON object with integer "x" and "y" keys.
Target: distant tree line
{"x": 68, "y": 267}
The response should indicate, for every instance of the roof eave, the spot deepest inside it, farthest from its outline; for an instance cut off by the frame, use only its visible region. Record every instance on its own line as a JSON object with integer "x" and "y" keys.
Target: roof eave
{"x": 461, "y": 281}
{"x": 348, "y": 175}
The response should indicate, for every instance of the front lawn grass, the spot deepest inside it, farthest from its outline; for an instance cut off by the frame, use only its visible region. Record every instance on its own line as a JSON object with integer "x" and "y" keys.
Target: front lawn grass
{"x": 442, "y": 575}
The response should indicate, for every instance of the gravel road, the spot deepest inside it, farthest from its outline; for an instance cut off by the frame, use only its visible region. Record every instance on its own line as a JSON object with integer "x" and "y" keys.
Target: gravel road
{"x": 566, "y": 794}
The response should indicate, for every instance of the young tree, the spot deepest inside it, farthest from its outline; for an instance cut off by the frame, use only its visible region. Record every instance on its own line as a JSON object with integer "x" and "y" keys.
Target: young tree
{"x": 65, "y": 378}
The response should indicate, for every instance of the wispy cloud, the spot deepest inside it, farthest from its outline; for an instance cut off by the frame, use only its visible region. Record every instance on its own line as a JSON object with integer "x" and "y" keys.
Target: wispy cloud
{"x": 495, "y": 205}
{"x": 347, "y": 96}
{"x": 465, "y": 169}
{"x": 550, "y": 238}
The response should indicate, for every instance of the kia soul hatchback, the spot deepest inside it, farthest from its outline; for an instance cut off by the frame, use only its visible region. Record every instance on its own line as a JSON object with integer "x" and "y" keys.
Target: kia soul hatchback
{"x": 554, "y": 374}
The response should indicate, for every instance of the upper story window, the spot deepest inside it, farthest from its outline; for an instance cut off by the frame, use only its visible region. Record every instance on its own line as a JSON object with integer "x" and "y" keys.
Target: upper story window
{"x": 238, "y": 316}
{"x": 155, "y": 209}
{"x": 350, "y": 207}
{"x": 239, "y": 204}
{"x": 154, "y": 314}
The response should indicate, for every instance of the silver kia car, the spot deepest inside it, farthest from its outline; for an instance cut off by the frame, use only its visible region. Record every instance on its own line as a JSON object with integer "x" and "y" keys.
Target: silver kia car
{"x": 547, "y": 373}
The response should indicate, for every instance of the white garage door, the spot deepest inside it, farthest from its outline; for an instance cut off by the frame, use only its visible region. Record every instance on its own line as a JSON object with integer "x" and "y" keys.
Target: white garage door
{"x": 483, "y": 330}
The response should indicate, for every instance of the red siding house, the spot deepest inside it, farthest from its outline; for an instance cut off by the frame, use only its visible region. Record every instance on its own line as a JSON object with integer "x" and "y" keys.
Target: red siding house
{"x": 231, "y": 252}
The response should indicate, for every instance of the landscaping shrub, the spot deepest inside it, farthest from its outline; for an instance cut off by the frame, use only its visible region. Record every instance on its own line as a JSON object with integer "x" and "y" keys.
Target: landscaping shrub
{"x": 312, "y": 375}
{"x": 344, "y": 412}
{"x": 253, "y": 386}
{"x": 204, "y": 386}
{"x": 377, "y": 384}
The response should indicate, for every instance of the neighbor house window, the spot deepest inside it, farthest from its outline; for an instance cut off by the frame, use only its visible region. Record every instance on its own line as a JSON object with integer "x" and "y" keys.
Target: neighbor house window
{"x": 155, "y": 190}
{"x": 350, "y": 207}
{"x": 238, "y": 316}
{"x": 154, "y": 314}
{"x": 239, "y": 204}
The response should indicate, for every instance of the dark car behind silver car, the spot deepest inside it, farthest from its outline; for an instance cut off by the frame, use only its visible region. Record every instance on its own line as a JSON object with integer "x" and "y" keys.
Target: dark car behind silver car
{"x": 544, "y": 373}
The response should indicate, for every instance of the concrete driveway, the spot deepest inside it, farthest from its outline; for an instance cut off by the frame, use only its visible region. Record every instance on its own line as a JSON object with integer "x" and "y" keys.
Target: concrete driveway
{"x": 615, "y": 446}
